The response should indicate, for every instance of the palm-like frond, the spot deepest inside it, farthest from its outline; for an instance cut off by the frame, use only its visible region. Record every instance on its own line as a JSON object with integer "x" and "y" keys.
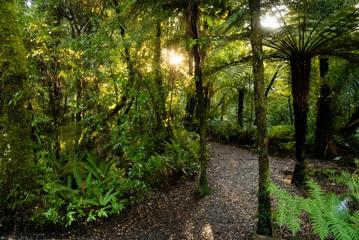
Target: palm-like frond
{"x": 328, "y": 213}
{"x": 307, "y": 28}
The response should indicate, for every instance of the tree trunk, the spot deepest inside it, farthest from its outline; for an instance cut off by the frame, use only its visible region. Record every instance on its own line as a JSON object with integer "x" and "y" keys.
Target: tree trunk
{"x": 16, "y": 150}
{"x": 300, "y": 68}
{"x": 79, "y": 88}
{"x": 190, "y": 110}
{"x": 240, "y": 106}
{"x": 193, "y": 26}
{"x": 160, "y": 110}
{"x": 264, "y": 226}
{"x": 55, "y": 97}
{"x": 323, "y": 129}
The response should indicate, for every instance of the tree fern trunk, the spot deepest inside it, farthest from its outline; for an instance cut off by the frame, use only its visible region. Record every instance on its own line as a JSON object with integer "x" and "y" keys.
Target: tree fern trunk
{"x": 300, "y": 68}
{"x": 323, "y": 128}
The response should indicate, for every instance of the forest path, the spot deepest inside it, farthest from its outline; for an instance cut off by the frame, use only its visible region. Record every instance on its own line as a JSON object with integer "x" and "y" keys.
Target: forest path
{"x": 228, "y": 213}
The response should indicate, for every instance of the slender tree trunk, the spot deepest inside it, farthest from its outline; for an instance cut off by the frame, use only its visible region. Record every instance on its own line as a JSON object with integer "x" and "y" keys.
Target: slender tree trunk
{"x": 193, "y": 25}
{"x": 79, "y": 88}
{"x": 160, "y": 110}
{"x": 190, "y": 110}
{"x": 300, "y": 68}
{"x": 55, "y": 96}
{"x": 16, "y": 149}
{"x": 240, "y": 106}
{"x": 323, "y": 128}
{"x": 264, "y": 226}
{"x": 190, "y": 62}
{"x": 191, "y": 97}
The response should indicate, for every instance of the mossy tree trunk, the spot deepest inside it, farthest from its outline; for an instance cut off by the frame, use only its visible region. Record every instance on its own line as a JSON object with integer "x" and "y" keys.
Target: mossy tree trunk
{"x": 16, "y": 150}
{"x": 300, "y": 68}
{"x": 194, "y": 30}
{"x": 264, "y": 226}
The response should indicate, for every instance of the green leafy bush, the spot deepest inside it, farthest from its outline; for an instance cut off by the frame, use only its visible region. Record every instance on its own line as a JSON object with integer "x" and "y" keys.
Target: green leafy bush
{"x": 178, "y": 159}
{"x": 88, "y": 190}
{"x": 330, "y": 215}
{"x": 228, "y": 132}
{"x": 281, "y": 138}
{"x": 183, "y": 150}
{"x": 224, "y": 131}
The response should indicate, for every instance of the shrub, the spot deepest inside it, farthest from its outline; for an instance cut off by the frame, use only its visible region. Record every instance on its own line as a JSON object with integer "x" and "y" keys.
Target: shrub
{"x": 281, "y": 138}
{"x": 88, "y": 190}
{"x": 228, "y": 132}
{"x": 183, "y": 151}
{"x": 178, "y": 159}
{"x": 224, "y": 131}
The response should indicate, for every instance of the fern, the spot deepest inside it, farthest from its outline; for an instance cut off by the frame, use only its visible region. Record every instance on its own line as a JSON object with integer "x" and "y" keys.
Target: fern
{"x": 287, "y": 214}
{"x": 328, "y": 213}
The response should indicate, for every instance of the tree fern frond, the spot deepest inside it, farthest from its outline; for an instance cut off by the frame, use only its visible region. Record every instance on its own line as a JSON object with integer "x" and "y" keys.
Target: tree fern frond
{"x": 329, "y": 214}
{"x": 355, "y": 220}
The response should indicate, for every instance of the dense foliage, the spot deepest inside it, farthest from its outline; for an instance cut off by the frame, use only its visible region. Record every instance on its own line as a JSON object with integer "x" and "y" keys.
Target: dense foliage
{"x": 103, "y": 101}
{"x": 331, "y": 215}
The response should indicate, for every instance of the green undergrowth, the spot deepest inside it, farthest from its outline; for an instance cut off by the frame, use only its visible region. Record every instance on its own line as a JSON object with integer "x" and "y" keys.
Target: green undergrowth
{"x": 229, "y": 132}
{"x": 280, "y": 137}
{"x": 331, "y": 216}
{"x": 82, "y": 188}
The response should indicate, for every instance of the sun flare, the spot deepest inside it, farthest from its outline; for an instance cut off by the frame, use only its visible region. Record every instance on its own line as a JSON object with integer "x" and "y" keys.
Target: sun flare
{"x": 174, "y": 58}
{"x": 269, "y": 21}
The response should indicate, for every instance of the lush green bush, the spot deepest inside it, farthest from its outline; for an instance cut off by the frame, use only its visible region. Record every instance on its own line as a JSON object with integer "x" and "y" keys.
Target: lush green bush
{"x": 281, "y": 138}
{"x": 229, "y": 132}
{"x": 83, "y": 187}
{"x": 87, "y": 189}
{"x": 223, "y": 131}
{"x": 331, "y": 215}
{"x": 178, "y": 159}
{"x": 183, "y": 150}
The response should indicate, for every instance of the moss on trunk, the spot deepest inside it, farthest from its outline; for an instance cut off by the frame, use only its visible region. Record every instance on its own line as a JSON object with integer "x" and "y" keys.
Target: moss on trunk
{"x": 16, "y": 150}
{"x": 264, "y": 226}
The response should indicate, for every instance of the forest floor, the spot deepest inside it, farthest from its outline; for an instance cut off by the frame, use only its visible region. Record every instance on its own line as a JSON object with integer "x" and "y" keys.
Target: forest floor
{"x": 176, "y": 213}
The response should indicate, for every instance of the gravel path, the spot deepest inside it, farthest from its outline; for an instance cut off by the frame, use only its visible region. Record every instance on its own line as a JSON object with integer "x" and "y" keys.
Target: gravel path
{"x": 228, "y": 213}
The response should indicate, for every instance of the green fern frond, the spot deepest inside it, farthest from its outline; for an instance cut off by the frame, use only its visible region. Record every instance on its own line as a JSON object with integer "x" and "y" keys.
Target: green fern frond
{"x": 355, "y": 220}
{"x": 329, "y": 214}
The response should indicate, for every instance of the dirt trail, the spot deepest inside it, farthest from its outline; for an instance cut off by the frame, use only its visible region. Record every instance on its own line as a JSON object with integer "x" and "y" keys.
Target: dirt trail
{"x": 228, "y": 213}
